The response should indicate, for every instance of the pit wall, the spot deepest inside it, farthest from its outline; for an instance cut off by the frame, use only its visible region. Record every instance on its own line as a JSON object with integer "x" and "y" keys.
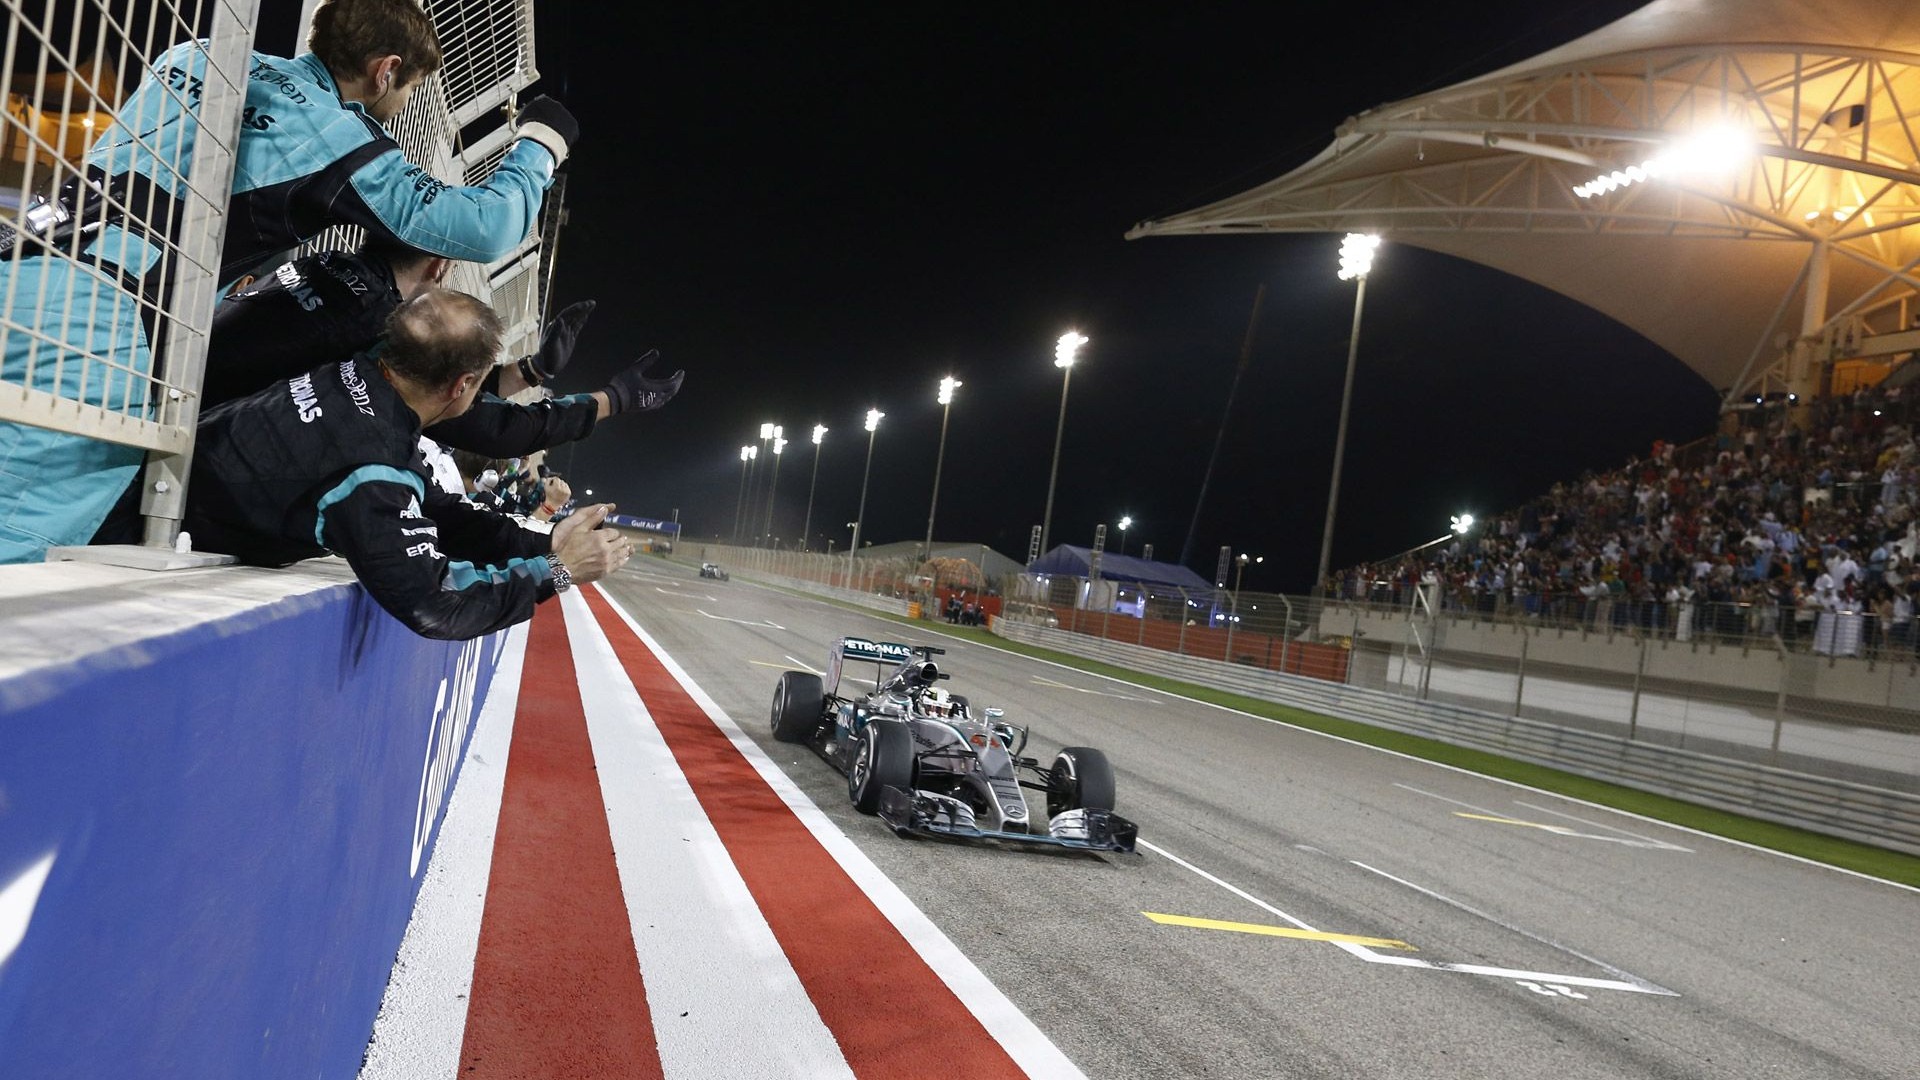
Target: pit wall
{"x": 219, "y": 790}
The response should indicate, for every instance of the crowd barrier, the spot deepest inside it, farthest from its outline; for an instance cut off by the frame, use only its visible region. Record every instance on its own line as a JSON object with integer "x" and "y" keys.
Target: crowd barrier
{"x": 1860, "y": 812}
{"x": 218, "y": 795}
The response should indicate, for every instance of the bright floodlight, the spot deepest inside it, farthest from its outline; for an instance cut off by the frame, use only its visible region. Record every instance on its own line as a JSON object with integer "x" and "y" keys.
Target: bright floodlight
{"x": 752, "y": 451}
{"x": 1356, "y": 255}
{"x": 744, "y": 452}
{"x": 777, "y": 432}
{"x": 1124, "y": 522}
{"x": 1462, "y": 523}
{"x": 873, "y": 419}
{"x": 819, "y": 433}
{"x": 1712, "y": 151}
{"x": 766, "y": 431}
{"x": 779, "y": 444}
{"x": 947, "y": 386}
{"x": 1070, "y": 342}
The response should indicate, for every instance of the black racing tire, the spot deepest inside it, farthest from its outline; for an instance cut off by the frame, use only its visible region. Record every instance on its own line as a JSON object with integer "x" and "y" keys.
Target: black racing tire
{"x": 799, "y": 704}
{"x": 1081, "y": 778}
{"x": 882, "y": 759}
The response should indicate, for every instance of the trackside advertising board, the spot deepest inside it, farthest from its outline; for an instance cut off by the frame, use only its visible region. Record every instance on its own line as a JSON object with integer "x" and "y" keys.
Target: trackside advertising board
{"x": 210, "y": 843}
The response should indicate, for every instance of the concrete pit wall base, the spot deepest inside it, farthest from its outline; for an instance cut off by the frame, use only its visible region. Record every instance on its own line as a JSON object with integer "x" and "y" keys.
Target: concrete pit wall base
{"x": 217, "y": 802}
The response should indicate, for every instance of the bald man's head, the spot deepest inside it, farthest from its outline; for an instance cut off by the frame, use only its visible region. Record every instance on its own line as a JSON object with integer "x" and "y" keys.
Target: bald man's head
{"x": 440, "y": 335}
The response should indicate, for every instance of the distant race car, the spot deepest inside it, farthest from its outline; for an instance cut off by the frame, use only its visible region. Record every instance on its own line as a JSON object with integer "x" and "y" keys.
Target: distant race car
{"x": 917, "y": 755}
{"x": 712, "y": 570}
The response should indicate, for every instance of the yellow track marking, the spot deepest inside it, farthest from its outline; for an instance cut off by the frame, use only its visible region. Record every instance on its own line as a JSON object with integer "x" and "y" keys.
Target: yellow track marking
{"x": 1277, "y": 931}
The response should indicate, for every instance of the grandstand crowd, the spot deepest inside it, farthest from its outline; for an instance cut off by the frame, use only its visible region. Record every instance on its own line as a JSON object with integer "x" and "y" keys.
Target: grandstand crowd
{"x": 1796, "y": 524}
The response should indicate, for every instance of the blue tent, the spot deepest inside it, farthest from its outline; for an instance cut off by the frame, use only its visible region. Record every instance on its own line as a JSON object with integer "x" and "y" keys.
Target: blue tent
{"x": 1069, "y": 561}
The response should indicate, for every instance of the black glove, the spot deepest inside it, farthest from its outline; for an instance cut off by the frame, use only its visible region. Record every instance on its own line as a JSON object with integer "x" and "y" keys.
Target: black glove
{"x": 633, "y": 390}
{"x": 556, "y": 345}
{"x": 546, "y": 121}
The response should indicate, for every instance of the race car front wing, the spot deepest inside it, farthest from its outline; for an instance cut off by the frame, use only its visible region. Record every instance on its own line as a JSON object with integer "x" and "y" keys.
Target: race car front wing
{"x": 921, "y": 813}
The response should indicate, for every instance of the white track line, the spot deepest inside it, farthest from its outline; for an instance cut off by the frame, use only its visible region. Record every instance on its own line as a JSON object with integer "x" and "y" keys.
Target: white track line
{"x": 423, "y": 1018}
{"x": 1362, "y": 952}
{"x": 1025, "y": 1043}
{"x": 706, "y": 953}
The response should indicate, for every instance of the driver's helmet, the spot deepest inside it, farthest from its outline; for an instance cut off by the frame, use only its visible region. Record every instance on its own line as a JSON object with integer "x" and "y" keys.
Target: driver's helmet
{"x": 936, "y": 702}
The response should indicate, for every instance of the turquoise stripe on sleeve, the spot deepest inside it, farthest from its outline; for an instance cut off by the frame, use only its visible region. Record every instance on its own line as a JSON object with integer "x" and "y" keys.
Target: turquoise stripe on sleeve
{"x": 465, "y": 575}
{"x": 365, "y": 474}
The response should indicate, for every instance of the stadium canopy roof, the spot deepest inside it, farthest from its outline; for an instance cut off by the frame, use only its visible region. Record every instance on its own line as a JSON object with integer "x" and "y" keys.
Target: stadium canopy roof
{"x": 1754, "y": 277}
{"x": 1074, "y": 562}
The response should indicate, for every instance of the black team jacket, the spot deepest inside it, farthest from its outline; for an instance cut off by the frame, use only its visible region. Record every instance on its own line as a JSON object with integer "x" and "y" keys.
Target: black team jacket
{"x": 329, "y": 461}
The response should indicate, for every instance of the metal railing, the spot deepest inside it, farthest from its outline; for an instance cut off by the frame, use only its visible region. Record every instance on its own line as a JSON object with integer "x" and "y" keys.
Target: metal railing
{"x": 1802, "y": 626}
{"x": 1834, "y": 703}
{"x": 78, "y": 344}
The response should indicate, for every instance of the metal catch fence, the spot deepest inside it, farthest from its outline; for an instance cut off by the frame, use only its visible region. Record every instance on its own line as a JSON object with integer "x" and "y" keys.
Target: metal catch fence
{"x": 91, "y": 369}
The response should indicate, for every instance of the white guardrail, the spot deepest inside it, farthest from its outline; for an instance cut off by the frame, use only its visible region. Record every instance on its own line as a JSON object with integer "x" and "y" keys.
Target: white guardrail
{"x": 1869, "y": 815}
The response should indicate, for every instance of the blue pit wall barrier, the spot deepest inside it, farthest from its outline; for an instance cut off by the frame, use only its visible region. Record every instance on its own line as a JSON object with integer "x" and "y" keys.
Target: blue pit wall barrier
{"x": 219, "y": 790}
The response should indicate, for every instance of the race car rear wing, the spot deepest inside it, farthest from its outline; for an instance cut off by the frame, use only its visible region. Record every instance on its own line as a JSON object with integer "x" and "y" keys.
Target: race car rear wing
{"x": 883, "y": 654}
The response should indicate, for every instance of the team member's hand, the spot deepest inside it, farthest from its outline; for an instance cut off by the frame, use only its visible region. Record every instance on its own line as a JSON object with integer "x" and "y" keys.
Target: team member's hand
{"x": 590, "y": 552}
{"x": 556, "y": 344}
{"x": 548, "y": 123}
{"x": 633, "y": 390}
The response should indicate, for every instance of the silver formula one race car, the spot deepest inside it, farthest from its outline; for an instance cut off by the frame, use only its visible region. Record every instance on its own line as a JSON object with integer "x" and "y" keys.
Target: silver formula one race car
{"x": 918, "y": 756}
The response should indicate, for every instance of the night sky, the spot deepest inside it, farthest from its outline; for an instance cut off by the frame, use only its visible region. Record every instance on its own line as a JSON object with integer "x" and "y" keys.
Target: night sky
{"x": 821, "y": 209}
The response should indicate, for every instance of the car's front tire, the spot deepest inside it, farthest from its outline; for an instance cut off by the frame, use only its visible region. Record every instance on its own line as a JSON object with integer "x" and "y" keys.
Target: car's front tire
{"x": 883, "y": 759}
{"x": 799, "y": 704}
{"x": 1081, "y": 778}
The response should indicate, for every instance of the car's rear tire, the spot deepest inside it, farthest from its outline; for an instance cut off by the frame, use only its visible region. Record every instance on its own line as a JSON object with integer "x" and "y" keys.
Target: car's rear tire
{"x": 799, "y": 704}
{"x": 1081, "y": 778}
{"x": 883, "y": 759}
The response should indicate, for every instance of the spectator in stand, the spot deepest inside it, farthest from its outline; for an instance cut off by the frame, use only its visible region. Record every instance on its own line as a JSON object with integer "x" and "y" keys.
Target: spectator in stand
{"x": 316, "y": 156}
{"x": 1902, "y": 620}
{"x": 1844, "y": 568}
{"x": 331, "y": 462}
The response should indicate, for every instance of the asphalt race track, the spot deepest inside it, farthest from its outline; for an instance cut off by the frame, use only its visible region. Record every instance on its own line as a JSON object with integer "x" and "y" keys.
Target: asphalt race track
{"x": 1306, "y": 907}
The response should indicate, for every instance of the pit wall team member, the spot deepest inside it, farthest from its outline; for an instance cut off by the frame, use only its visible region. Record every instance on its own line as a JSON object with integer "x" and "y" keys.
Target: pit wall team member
{"x": 313, "y": 152}
{"x": 329, "y": 306}
{"x": 329, "y": 462}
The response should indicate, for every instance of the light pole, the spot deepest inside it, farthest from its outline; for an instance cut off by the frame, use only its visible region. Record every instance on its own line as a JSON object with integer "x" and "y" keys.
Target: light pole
{"x": 1356, "y": 259}
{"x": 873, "y": 427}
{"x": 806, "y": 530}
{"x": 1125, "y": 521}
{"x": 1063, "y": 357}
{"x": 1233, "y": 611}
{"x": 780, "y": 444}
{"x": 1239, "y": 571}
{"x": 947, "y": 387}
{"x": 753, "y": 489}
{"x": 740, "y": 505}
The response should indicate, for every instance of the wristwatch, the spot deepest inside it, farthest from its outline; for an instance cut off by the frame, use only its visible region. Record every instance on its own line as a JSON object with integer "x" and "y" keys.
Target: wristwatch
{"x": 562, "y": 580}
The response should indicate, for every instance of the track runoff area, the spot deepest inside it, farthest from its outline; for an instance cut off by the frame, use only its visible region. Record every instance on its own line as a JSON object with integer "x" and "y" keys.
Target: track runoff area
{"x": 634, "y": 880}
